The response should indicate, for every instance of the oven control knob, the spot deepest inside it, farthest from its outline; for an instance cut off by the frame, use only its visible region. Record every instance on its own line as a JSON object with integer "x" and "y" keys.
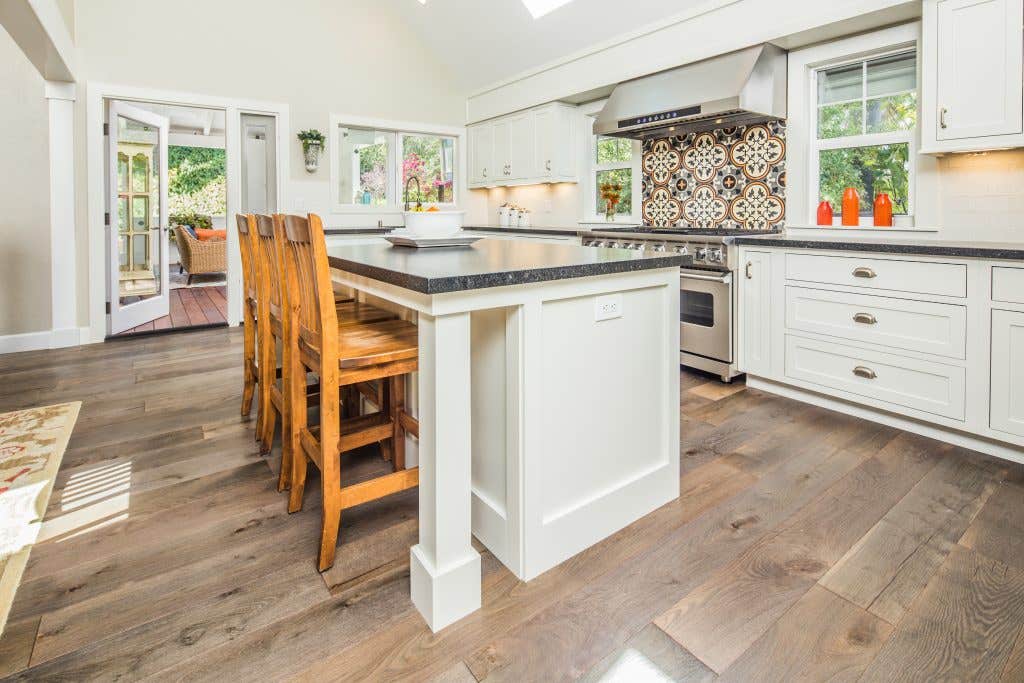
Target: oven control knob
{"x": 715, "y": 255}
{"x": 658, "y": 247}
{"x": 614, "y": 245}
{"x": 682, "y": 250}
{"x": 701, "y": 255}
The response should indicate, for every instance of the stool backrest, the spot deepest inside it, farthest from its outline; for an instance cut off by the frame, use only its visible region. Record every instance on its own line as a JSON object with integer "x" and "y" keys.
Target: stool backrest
{"x": 308, "y": 283}
{"x": 267, "y": 265}
{"x": 246, "y": 239}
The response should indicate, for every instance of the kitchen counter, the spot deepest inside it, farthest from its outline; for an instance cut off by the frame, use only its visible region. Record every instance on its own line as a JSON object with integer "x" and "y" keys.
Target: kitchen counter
{"x": 510, "y": 408}
{"x": 989, "y": 250}
{"x": 488, "y": 263}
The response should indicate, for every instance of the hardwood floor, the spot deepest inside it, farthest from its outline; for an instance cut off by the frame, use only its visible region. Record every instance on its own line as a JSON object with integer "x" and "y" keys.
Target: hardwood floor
{"x": 190, "y": 307}
{"x": 806, "y": 545}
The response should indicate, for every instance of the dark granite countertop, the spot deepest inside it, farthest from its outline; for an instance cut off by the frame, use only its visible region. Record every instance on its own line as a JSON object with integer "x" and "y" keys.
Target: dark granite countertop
{"x": 488, "y": 263}
{"x": 989, "y": 250}
{"x": 472, "y": 228}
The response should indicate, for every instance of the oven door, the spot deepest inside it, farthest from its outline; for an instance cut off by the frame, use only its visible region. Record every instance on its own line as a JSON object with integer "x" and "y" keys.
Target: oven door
{"x": 705, "y": 314}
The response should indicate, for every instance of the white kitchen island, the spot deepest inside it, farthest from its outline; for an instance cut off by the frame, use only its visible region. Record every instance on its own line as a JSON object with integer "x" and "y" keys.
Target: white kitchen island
{"x": 547, "y": 398}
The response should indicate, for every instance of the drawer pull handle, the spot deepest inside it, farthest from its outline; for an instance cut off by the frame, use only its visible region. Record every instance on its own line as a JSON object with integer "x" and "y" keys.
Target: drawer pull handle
{"x": 866, "y": 373}
{"x": 863, "y": 272}
{"x": 865, "y": 318}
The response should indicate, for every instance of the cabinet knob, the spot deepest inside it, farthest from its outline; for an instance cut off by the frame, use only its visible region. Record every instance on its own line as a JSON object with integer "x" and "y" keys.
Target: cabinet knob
{"x": 865, "y": 318}
{"x": 547, "y": 165}
{"x": 942, "y": 117}
{"x": 485, "y": 172}
{"x": 863, "y": 272}
{"x": 748, "y": 272}
{"x": 866, "y": 373}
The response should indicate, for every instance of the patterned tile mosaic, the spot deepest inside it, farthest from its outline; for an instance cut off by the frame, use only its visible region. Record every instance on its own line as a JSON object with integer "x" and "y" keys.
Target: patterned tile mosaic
{"x": 731, "y": 178}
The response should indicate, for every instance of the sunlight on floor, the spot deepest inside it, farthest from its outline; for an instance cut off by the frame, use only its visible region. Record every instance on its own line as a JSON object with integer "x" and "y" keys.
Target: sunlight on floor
{"x": 633, "y": 667}
{"x": 92, "y": 499}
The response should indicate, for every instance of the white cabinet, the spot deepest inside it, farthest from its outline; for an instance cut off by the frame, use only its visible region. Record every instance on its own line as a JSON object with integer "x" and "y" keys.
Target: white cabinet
{"x": 1007, "y": 405}
{"x": 533, "y": 146}
{"x": 481, "y": 154}
{"x": 972, "y": 69}
{"x": 755, "y": 312}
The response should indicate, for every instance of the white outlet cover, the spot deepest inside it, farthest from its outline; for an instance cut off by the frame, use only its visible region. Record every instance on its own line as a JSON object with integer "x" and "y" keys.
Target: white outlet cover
{"x": 607, "y": 307}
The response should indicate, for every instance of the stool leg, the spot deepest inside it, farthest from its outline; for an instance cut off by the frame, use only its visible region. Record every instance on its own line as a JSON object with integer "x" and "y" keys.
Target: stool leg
{"x": 396, "y": 386}
{"x": 387, "y": 450}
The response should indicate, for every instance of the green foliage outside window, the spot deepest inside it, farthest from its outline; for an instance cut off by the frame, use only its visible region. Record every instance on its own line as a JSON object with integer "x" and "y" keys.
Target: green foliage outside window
{"x": 197, "y": 180}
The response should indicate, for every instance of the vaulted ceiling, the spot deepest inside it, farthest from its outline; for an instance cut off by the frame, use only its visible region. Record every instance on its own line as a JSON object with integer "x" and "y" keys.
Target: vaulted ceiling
{"x": 486, "y": 41}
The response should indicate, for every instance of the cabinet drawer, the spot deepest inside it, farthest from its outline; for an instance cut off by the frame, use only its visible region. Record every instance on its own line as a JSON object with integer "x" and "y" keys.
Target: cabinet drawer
{"x": 919, "y": 277}
{"x": 940, "y": 329}
{"x": 922, "y": 385}
{"x": 1008, "y": 284}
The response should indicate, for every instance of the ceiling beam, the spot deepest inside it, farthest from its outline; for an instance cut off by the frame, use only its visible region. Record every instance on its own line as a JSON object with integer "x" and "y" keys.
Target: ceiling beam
{"x": 38, "y": 28}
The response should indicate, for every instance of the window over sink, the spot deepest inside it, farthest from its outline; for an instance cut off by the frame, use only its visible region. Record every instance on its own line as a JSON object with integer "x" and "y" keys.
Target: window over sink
{"x": 865, "y": 116}
{"x": 371, "y": 166}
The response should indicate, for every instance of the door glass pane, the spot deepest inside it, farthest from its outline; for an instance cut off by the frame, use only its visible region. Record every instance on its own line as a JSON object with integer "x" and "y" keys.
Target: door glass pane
{"x": 364, "y": 166}
{"x": 140, "y": 213}
{"x": 122, "y": 214}
{"x": 697, "y": 308}
{"x": 122, "y": 173}
{"x": 428, "y": 168}
{"x": 140, "y": 173}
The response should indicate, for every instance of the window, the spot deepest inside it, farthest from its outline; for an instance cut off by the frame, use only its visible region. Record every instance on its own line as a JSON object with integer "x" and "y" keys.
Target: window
{"x": 865, "y": 114}
{"x": 613, "y": 164}
{"x": 375, "y": 166}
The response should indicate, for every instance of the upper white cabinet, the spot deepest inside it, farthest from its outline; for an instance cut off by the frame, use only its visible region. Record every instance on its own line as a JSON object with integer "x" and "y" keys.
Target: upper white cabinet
{"x": 533, "y": 146}
{"x": 972, "y": 75}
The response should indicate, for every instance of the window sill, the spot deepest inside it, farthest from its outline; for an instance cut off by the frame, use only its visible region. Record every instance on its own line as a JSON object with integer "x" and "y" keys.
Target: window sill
{"x": 361, "y": 209}
{"x": 619, "y": 220}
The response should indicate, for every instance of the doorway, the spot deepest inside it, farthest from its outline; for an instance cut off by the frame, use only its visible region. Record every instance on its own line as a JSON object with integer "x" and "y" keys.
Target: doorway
{"x": 169, "y": 250}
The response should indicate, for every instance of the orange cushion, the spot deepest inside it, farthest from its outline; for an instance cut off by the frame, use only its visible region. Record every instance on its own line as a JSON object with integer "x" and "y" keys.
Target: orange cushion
{"x": 205, "y": 235}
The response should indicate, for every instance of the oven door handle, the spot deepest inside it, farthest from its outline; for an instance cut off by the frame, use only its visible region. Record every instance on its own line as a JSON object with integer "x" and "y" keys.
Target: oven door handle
{"x": 724, "y": 279}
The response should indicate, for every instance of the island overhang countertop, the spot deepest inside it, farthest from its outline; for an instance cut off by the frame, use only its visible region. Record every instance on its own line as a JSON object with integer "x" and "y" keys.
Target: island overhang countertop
{"x": 487, "y": 263}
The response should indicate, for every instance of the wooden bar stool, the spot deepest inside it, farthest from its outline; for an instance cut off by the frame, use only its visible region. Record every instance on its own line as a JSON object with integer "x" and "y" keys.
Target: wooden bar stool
{"x": 246, "y": 240}
{"x": 341, "y": 355}
{"x": 270, "y": 326}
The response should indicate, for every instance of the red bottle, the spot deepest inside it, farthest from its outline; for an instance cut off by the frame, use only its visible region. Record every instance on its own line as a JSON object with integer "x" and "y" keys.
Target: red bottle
{"x": 883, "y": 211}
{"x": 851, "y": 207}
{"x": 824, "y": 214}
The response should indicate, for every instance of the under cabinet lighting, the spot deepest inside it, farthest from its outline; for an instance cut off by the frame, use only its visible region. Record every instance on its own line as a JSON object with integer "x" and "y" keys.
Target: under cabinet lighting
{"x": 539, "y": 8}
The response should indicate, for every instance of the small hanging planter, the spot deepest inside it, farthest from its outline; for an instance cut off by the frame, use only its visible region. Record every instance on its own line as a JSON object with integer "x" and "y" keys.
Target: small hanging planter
{"x": 312, "y": 144}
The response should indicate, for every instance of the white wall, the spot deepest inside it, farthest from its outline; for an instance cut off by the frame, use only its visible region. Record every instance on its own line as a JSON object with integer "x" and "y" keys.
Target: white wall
{"x": 24, "y": 195}
{"x": 552, "y": 205}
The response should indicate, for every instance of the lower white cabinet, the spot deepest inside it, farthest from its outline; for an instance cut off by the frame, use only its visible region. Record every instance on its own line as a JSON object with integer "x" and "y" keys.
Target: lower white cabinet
{"x": 927, "y": 344}
{"x": 755, "y": 312}
{"x": 1007, "y": 406}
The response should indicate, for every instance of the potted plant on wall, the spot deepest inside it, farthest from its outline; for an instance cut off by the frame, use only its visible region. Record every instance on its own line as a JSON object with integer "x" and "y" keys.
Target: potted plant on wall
{"x": 312, "y": 144}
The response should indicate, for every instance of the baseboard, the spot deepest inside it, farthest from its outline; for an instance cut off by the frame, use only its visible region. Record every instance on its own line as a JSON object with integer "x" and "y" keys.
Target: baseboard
{"x": 970, "y": 441}
{"x": 45, "y": 339}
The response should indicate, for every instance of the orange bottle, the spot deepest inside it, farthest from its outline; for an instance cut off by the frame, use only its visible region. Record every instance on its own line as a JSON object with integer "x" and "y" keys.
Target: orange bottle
{"x": 851, "y": 207}
{"x": 824, "y": 214}
{"x": 883, "y": 210}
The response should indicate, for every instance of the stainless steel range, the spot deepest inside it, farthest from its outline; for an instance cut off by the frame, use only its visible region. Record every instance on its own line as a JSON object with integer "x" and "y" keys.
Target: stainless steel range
{"x": 707, "y": 298}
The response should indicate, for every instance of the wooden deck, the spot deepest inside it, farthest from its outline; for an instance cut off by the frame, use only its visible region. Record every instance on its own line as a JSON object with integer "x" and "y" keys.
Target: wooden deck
{"x": 190, "y": 307}
{"x": 806, "y": 545}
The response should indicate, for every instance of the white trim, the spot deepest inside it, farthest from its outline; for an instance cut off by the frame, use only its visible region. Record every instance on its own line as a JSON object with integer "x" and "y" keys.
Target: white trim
{"x": 45, "y": 339}
{"x": 588, "y": 181}
{"x": 96, "y": 93}
{"x": 396, "y": 128}
{"x": 801, "y": 127}
{"x": 63, "y": 226}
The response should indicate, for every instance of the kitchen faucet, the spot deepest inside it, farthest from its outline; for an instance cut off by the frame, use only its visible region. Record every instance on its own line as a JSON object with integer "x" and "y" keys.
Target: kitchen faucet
{"x": 419, "y": 191}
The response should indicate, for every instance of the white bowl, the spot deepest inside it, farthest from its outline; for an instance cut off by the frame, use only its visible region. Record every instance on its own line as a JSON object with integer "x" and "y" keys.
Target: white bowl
{"x": 433, "y": 223}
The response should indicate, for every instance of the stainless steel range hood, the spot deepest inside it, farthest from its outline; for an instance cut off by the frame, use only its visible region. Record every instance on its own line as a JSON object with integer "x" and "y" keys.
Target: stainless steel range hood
{"x": 742, "y": 87}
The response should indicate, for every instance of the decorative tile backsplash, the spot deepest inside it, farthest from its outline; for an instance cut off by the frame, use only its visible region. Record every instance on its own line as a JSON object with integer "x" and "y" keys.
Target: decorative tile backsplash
{"x": 732, "y": 178}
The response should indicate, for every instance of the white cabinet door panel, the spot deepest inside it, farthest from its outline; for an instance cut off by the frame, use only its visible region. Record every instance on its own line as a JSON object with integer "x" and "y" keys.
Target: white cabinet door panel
{"x": 1008, "y": 372}
{"x": 755, "y": 312}
{"x": 979, "y": 64}
{"x": 482, "y": 142}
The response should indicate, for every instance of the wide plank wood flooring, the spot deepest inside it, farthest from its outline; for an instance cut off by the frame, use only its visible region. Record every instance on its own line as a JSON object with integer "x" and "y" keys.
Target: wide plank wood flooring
{"x": 190, "y": 307}
{"x": 806, "y": 545}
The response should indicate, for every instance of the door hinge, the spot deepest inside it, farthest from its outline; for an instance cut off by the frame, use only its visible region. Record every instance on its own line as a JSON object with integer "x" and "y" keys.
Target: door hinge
{"x": 108, "y": 308}
{"x": 106, "y": 218}
{"x": 106, "y": 129}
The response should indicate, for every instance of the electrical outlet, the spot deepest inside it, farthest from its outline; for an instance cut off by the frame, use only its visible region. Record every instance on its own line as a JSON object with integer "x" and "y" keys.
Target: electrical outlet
{"x": 607, "y": 307}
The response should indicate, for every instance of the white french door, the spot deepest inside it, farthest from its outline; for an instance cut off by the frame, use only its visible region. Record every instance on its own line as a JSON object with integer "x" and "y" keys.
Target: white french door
{"x": 137, "y": 228}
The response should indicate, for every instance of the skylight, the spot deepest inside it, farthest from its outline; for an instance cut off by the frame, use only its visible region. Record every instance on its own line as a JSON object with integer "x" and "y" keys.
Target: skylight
{"x": 539, "y": 8}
